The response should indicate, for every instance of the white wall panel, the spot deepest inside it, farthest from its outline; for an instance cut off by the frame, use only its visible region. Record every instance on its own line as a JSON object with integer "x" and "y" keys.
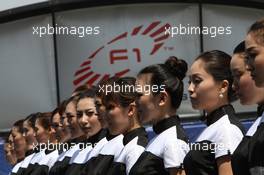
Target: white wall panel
{"x": 121, "y": 21}
{"x": 27, "y": 71}
{"x": 9, "y": 4}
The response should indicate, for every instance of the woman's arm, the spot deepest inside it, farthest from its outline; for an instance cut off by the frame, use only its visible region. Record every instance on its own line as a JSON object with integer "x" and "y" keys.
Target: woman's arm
{"x": 224, "y": 165}
{"x": 175, "y": 171}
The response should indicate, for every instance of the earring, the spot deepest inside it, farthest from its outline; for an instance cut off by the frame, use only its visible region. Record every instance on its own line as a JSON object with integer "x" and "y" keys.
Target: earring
{"x": 221, "y": 95}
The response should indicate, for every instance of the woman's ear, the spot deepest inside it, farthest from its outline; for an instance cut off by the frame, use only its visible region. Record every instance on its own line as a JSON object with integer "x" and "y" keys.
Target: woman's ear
{"x": 131, "y": 109}
{"x": 162, "y": 98}
{"x": 224, "y": 86}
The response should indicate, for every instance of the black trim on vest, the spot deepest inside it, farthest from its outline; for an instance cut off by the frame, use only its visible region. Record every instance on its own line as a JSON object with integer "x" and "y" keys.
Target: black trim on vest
{"x": 218, "y": 113}
{"x": 166, "y": 124}
{"x": 29, "y": 152}
{"x": 260, "y": 110}
{"x": 134, "y": 133}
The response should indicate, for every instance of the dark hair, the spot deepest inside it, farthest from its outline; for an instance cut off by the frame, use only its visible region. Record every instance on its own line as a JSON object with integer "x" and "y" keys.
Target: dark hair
{"x": 72, "y": 99}
{"x": 100, "y": 88}
{"x": 124, "y": 96}
{"x": 54, "y": 112}
{"x": 240, "y": 48}
{"x": 44, "y": 119}
{"x": 31, "y": 119}
{"x": 171, "y": 75}
{"x": 82, "y": 88}
{"x": 98, "y": 91}
{"x": 257, "y": 29}
{"x": 7, "y": 136}
{"x": 217, "y": 64}
{"x": 88, "y": 93}
{"x": 62, "y": 107}
{"x": 19, "y": 124}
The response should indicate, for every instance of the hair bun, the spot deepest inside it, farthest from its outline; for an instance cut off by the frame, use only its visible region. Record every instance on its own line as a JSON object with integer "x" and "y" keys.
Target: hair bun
{"x": 177, "y": 67}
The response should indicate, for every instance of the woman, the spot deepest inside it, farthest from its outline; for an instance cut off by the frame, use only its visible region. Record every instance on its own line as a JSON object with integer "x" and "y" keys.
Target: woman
{"x": 99, "y": 104}
{"x": 87, "y": 119}
{"x": 9, "y": 150}
{"x": 29, "y": 135}
{"x": 210, "y": 90}
{"x": 47, "y": 145}
{"x": 77, "y": 134}
{"x": 120, "y": 153}
{"x": 255, "y": 58}
{"x": 159, "y": 107}
{"x": 63, "y": 122}
{"x": 122, "y": 118}
{"x": 62, "y": 133}
{"x": 73, "y": 146}
{"x": 255, "y": 51}
{"x": 19, "y": 144}
{"x": 63, "y": 136}
{"x": 248, "y": 94}
{"x": 100, "y": 108}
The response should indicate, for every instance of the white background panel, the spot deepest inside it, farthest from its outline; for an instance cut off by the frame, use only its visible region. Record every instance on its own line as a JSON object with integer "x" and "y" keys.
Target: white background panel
{"x": 114, "y": 21}
{"x": 9, "y": 4}
{"x": 27, "y": 71}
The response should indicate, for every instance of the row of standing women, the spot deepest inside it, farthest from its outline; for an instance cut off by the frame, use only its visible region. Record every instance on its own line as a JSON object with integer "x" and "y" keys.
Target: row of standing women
{"x": 97, "y": 134}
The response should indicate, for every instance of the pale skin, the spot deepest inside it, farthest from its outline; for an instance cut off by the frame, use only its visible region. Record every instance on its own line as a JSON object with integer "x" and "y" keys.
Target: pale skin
{"x": 224, "y": 165}
{"x": 255, "y": 50}
{"x": 175, "y": 171}
{"x": 243, "y": 83}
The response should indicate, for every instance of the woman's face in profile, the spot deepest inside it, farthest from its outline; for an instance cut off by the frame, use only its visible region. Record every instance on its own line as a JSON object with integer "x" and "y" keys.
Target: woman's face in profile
{"x": 243, "y": 83}
{"x": 147, "y": 103}
{"x": 42, "y": 135}
{"x": 18, "y": 139}
{"x": 255, "y": 57}
{"x": 203, "y": 89}
{"x": 28, "y": 132}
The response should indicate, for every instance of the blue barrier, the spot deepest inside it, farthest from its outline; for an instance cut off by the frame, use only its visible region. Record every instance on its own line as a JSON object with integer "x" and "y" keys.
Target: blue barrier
{"x": 192, "y": 129}
{"x": 5, "y": 167}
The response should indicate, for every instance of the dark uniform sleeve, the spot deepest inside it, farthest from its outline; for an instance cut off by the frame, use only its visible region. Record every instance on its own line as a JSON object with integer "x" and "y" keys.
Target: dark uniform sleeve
{"x": 41, "y": 170}
{"x": 239, "y": 159}
{"x": 256, "y": 152}
{"x": 21, "y": 171}
{"x": 148, "y": 164}
{"x": 75, "y": 169}
{"x": 29, "y": 169}
{"x": 60, "y": 167}
{"x": 98, "y": 165}
{"x": 117, "y": 168}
